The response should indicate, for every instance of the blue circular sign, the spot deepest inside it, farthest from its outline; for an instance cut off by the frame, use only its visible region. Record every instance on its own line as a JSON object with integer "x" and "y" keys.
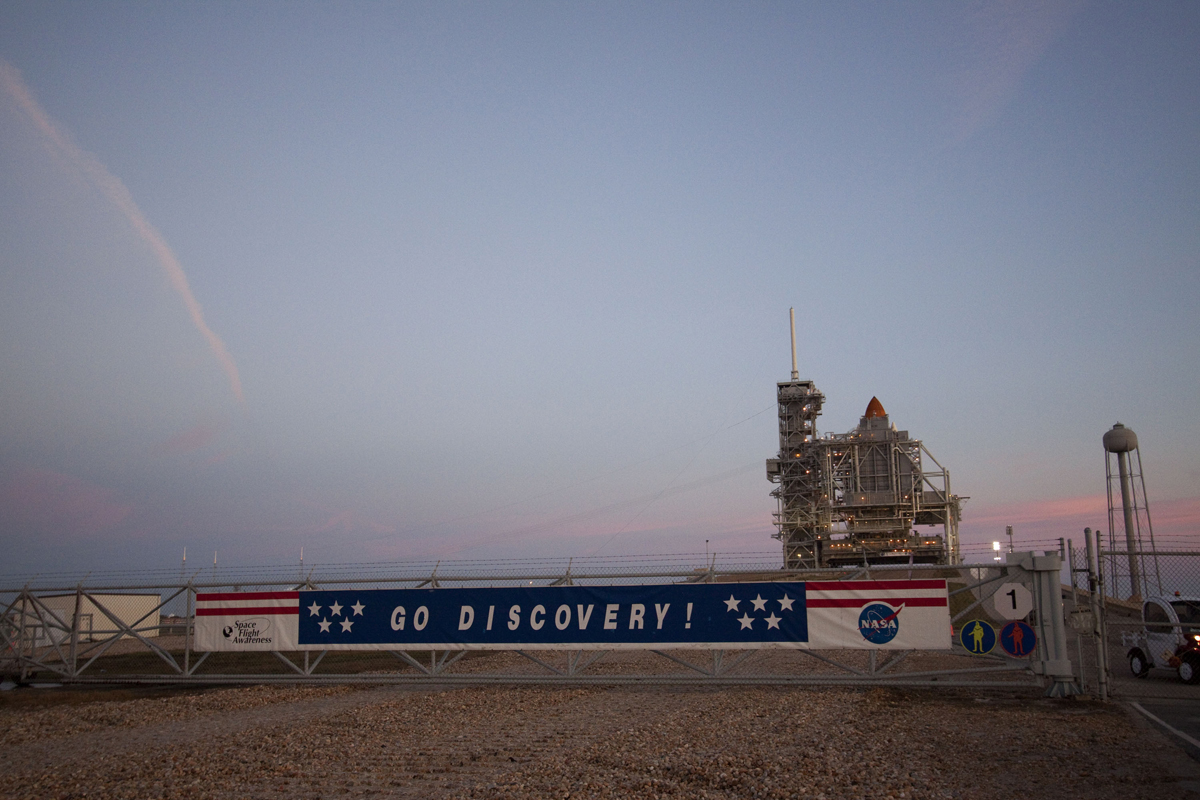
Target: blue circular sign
{"x": 1018, "y": 639}
{"x": 878, "y": 623}
{"x": 977, "y": 637}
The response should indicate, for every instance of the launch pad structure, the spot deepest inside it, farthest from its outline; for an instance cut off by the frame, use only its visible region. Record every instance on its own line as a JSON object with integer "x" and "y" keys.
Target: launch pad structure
{"x": 854, "y": 498}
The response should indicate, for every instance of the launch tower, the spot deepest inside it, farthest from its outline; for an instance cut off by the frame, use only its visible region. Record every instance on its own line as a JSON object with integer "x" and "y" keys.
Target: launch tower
{"x": 853, "y": 498}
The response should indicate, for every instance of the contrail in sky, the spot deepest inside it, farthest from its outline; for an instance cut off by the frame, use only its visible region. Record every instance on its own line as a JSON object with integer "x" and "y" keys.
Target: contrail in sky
{"x": 112, "y": 187}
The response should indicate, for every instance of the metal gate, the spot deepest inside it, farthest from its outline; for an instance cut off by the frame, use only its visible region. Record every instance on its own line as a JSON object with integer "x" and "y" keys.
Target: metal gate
{"x": 143, "y": 632}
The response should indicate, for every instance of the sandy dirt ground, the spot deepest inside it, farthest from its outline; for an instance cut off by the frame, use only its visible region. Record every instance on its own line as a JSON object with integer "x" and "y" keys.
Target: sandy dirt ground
{"x": 490, "y": 742}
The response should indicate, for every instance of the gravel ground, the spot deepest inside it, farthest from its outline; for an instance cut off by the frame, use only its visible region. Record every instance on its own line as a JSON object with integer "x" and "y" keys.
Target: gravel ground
{"x": 266, "y": 742}
{"x": 66, "y": 719}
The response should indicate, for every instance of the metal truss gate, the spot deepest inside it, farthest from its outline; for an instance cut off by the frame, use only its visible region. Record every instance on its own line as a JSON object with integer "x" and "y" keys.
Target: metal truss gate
{"x": 113, "y": 634}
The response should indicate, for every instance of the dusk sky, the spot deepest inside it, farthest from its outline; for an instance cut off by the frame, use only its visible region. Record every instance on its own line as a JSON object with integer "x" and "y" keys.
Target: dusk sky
{"x": 491, "y": 280}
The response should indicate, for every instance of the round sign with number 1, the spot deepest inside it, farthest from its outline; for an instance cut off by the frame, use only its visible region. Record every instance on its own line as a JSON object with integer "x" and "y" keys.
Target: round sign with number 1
{"x": 1012, "y": 601}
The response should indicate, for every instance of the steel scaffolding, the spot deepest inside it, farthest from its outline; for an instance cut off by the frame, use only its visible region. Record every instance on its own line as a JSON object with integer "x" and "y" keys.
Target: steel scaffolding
{"x": 853, "y": 498}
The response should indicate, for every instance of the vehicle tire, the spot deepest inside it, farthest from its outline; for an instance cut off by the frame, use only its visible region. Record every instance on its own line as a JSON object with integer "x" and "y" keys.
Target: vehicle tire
{"x": 1189, "y": 667}
{"x": 1138, "y": 664}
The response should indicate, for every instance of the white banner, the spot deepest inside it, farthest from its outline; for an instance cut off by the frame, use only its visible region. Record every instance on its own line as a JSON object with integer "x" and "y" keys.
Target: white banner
{"x": 244, "y": 621}
{"x": 890, "y": 615}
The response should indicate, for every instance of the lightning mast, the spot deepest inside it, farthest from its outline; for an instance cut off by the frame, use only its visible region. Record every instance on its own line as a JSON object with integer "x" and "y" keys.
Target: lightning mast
{"x": 802, "y": 516}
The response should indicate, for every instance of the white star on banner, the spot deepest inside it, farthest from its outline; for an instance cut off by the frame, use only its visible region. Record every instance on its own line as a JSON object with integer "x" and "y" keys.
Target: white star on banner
{"x": 314, "y": 609}
{"x": 358, "y": 608}
{"x": 759, "y": 603}
{"x": 773, "y": 621}
{"x": 334, "y": 610}
{"x": 786, "y": 603}
{"x": 747, "y": 621}
{"x": 346, "y": 625}
{"x": 324, "y": 625}
{"x": 731, "y": 604}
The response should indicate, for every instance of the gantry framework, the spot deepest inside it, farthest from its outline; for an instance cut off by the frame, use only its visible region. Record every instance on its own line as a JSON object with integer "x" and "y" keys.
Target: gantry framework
{"x": 853, "y": 498}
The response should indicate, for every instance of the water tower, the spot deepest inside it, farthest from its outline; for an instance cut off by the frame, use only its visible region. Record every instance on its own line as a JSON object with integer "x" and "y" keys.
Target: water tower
{"x": 1134, "y": 519}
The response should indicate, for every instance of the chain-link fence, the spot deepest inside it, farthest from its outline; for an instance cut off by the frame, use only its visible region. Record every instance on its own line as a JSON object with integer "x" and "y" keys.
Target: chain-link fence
{"x": 140, "y": 628}
{"x": 1135, "y": 617}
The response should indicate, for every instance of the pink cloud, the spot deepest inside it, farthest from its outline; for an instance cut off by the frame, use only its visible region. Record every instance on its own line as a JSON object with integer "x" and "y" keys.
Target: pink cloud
{"x": 1003, "y": 41}
{"x": 341, "y": 520}
{"x": 350, "y": 522}
{"x": 194, "y": 438}
{"x": 1177, "y": 516}
{"x": 1094, "y": 507}
{"x": 582, "y": 535}
{"x": 1176, "y": 522}
{"x": 46, "y": 503}
{"x": 218, "y": 458}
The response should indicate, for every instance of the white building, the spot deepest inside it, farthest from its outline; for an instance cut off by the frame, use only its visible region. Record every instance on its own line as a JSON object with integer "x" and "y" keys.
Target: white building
{"x": 49, "y": 620}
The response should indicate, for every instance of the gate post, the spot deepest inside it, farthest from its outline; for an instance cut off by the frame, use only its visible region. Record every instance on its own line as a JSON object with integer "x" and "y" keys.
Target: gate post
{"x": 188, "y": 614}
{"x": 1047, "y": 600}
{"x": 1095, "y": 600}
{"x": 74, "y": 673}
{"x": 25, "y": 600}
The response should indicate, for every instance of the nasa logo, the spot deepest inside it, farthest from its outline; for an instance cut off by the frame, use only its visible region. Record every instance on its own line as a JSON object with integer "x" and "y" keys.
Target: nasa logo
{"x": 879, "y": 623}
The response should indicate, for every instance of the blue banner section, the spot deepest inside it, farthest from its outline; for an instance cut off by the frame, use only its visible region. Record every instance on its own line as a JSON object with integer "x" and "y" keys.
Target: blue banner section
{"x": 597, "y": 616}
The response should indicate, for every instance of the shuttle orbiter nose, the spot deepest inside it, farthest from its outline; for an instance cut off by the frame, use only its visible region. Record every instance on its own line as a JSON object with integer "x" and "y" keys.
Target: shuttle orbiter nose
{"x": 875, "y": 409}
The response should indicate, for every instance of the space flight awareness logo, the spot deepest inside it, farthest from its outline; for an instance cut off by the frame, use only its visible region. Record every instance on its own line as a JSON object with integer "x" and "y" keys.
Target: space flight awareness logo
{"x": 255, "y": 630}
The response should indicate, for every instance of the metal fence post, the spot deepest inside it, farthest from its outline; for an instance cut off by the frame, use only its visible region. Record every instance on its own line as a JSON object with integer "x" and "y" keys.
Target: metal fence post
{"x": 1095, "y": 599}
{"x": 187, "y": 630}
{"x": 1071, "y": 570}
{"x": 21, "y": 636}
{"x": 1102, "y": 592}
{"x": 75, "y": 630}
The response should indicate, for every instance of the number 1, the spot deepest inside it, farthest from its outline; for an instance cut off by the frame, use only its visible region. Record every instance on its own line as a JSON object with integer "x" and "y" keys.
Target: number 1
{"x": 1013, "y": 594}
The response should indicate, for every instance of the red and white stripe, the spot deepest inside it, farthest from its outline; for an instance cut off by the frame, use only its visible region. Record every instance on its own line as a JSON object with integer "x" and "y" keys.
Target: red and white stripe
{"x": 856, "y": 594}
{"x": 240, "y": 604}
